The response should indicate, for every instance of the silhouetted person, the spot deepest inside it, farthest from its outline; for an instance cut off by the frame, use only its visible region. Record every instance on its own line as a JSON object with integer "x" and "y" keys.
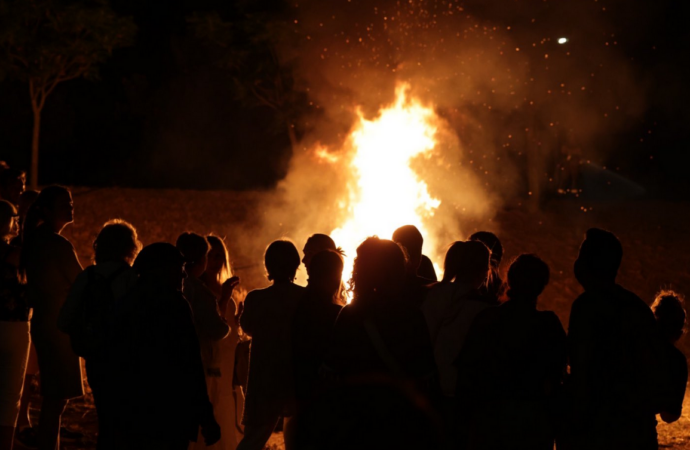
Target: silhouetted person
{"x": 51, "y": 265}
{"x": 317, "y": 243}
{"x": 14, "y": 327}
{"x": 449, "y": 310}
{"x": 612, "y": 346}
{"x": 209, "y": 314}
{"x": 494, "y": 286}
{"x": 366, "y": 415}
{"x": 227, "y": 399}
{"x": 156, "y": 373}
{"x": 378, "y": 336}
{"x": 426, "y": 269}
{"x": 314, "y": 319}
{"x": 452, "y": 305}
{"x": 86, "y": 311}
{"x": 511, "y": 367}
{"x": 416, "y": 286}
{"x": 268, "y": 316}
{"x": 670, "y": 317}
{"x": 12, "y": 185}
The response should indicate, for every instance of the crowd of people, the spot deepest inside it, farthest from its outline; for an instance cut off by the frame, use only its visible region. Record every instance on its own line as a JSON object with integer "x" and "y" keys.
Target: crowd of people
{"x": 392, "y": 359}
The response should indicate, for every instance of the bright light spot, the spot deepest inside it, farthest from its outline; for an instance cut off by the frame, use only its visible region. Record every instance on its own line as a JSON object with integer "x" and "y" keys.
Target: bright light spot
{"x": 562, "y": 40}
{"x": 385, "y": 193}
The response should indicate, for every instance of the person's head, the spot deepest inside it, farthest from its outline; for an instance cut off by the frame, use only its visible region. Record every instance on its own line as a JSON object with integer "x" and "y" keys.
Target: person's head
{"x": 282, "y": 261}
{"x": 116, "y": 242}
{"x": 493, "y": 243}
{"x": 326, "y": 272}
{"x": 161, "y": 263}
{"x": 195, "y": 249}
{"x": 669, "y": 309}
{"x": 315, "y": 244}
{"x": 25, "y": 201}
{"x": 378, "y": 270}
{"x": 8, "y": 220}
{"x": 528, "y": 275}
{"x": 52, "y": 207}
{"x": 409, "y": 237}
{"x": 12, "y": 184}
{"x": 467, "y": 262}
{"x": 218, "y": 265}
{"x": 600, "y": 258}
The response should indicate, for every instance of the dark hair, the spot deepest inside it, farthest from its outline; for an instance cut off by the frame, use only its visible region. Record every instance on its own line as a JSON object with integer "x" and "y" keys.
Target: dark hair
{"x": 117, "y": 241}
{"x": 325, "y": 265}
{"x": 410, "y": 238}
{"x": 492, "y": 242}
{"x": 156, "y": 256}
{"x": 321, "y": 241}
{"x": 528, "y": 275}
{"x": 45, "y": 201}
{"x": 281, "y": 260}
{"x": 670, "y": 314}
{"x": 193, "y": 247}
{"x": 379, "y": 267}
{"x": 465, "y": 257}
{"x": 601, "y": 252}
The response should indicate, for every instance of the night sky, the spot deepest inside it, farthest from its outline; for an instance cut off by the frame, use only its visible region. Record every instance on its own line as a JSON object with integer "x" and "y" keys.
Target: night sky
{"x": 165, "y": 114}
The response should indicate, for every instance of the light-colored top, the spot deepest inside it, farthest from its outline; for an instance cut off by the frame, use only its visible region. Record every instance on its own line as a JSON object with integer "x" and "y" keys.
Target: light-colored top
{"x": 449, "y": 310}
{"x": 121, "y": 285}
{"x": 210, "y": 326}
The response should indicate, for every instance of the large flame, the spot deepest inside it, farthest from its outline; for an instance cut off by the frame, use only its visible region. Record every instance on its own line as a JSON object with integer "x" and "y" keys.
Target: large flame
{"x": 385, "y": 193}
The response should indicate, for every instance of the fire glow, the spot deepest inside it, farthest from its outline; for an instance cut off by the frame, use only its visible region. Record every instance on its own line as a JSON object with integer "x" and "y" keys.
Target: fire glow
{"x": 384, "y": 192}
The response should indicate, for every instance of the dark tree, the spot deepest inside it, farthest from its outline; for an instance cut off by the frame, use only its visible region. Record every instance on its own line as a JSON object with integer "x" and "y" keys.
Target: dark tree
{"x": 47, "y": 42}
{"x": 262, "y": 76}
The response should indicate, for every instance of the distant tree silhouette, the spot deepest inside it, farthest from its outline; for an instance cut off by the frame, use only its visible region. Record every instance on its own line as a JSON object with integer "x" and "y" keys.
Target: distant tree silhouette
{"x": 47, "y": 42}
{"x": 247, "y": 48}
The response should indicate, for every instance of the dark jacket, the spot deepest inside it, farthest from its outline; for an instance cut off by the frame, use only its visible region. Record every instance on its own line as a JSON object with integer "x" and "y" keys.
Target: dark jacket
{"x": 156, "y": 373}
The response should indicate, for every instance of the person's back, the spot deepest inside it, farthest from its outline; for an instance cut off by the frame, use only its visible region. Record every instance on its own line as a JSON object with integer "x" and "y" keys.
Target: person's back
{"x": 157, "y": 375}
{"x": 511, "y": 367}
{"x": 452, "y": 305}
{"x": 267, "y": 317}
{"x": 315, "y": 316}
{"x": 612, "y": 346}
{"x": 389, "y": 339}
{"x": 378, "y": 334}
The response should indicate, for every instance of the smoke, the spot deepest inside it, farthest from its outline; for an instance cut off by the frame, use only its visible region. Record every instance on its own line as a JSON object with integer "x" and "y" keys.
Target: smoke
{"x": 508, "y": 94}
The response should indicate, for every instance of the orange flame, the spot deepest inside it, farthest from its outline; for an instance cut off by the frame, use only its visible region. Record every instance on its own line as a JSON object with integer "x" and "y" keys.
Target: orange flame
{"x": 385, "y": 192}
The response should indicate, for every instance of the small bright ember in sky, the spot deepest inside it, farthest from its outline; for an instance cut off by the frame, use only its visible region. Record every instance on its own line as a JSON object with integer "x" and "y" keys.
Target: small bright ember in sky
{"x": 562, "y": 40}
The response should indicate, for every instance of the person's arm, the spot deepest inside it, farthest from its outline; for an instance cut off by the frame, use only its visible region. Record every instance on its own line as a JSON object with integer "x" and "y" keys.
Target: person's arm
{"x": 580, "y": 341}
{"x": 69, "y": 261}
{"x": 210, "y": 324}
{"x": 226, "y": 294}
{"x": 248, "y": 318}
{"x": 68, "y": 312}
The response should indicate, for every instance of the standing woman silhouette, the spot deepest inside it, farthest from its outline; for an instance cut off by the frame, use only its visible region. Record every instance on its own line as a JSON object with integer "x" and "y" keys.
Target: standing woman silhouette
{"x": 51, "y": 265}
{"x": 228, "y": 400}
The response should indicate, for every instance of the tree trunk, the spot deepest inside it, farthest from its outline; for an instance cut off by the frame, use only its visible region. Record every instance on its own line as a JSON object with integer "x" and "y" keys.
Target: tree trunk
{"x": 33, "y": 175}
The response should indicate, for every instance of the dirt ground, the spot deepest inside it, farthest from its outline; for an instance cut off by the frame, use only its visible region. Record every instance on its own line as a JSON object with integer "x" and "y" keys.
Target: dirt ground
{"x": 654, "y": 236}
